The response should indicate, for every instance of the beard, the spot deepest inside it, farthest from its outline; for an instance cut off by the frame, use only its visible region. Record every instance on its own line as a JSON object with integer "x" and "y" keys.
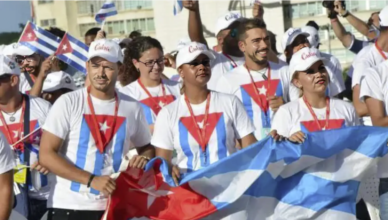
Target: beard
{"x": 254, "y": 59}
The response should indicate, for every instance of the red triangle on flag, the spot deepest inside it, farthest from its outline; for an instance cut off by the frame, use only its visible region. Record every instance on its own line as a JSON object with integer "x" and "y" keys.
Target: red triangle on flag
{"x": 28, "y": 34}
{"x": 156, "y": 103}
{"x": 212, "y": 122}
{"x": 64, "y": 46}
{"x": 312, "y": 126}
{"x": 262, "y": 87}
{"x": 15, "y": 135}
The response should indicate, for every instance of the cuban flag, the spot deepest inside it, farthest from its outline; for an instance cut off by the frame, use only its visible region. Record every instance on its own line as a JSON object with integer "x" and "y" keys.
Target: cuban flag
{"x": 318, "y": 179}
{"x": 178, "y": 6}
{"x": 108, "y": 9}
{"x": 73, "y": 52}
{"x": 39, "y": 40}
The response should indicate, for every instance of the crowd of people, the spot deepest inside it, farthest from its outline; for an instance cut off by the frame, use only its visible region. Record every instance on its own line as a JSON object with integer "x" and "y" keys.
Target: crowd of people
{"x": 61, "y": 142}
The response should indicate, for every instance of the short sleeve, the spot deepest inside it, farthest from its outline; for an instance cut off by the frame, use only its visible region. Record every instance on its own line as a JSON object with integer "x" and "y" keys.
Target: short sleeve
{"x": 142, "y": 135}
{"x": 242, "y": 123}
{"x": 58, "y": 119}
{"x": 223, "y": 86}
{"x": 358, "y": 72}
{"x": 281, "y": 122}
{"x": 294, "y": 92}
{"x": 7, "y": 161}
{"x": 163, "y": 136}
{"x": 357, "y": 45}
{"x": 337, "y": 84}
{"x": 371, "y": 85}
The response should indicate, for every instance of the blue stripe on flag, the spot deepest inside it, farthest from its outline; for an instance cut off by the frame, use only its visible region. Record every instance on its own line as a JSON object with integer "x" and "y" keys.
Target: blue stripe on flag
{"x": 77, "y": 42}
{"x": 148, "y": 113}
{"x": 83, "y": 146}
{"x": 45, "y": 33}
{"x": 72, "y": 63}
{"x": 221, "y": 138}
{"x": 279, "y": 89}
{"x": 178, "y": 6}
{"x": 108, "y": 5}
{"x": 184, "y": 142}
{"x": 98, "y": 166}
{"x": 247, "y": 101}
{"x": 119, "y": 146}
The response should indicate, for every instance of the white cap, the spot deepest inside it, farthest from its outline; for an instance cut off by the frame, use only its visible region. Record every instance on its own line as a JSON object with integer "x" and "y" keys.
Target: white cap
{"x": 106, "y": 49}
{"x": 290, "y": 36}
{"x": 58, "y": 80}
{"x": 304, "y": 59}
{"x": 314, "y": 36}
{"x": 226, "y": 20}
{"x": 191, "y": 52}
{"x": 8, "y": 66}
{"x": 183, "y": 42}
{"x": 383, "y": 15}
{"x": 21, "y": 50}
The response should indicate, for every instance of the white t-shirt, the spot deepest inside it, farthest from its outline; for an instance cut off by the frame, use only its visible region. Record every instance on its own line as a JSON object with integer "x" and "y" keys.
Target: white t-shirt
{"x": 24, "y": 86}
{"x": 149, "y": 106}
{"x": 7, "y": 161}
{"x": 39, "y": 109}
{"x": 227, "y": 121}
{"x": 220, "y": 66}
{"x": 375, "y": 85}
{"x": 295, "y": 116}
{"x": 238, "y": 82}
{"x": 70, "y": 119}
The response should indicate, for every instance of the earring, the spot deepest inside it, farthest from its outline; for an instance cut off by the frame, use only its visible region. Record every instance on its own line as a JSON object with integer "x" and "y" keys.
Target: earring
{"x": 138, "y": 70}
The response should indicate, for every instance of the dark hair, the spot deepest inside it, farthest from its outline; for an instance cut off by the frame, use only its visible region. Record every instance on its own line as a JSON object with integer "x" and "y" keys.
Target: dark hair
{"x": 56, "y": 31}
{"x": 135, "y": 34}
{"x": 93, "y": 31}
{"x": 248, "y": 24}
{"x": 272, "y": 38}
{"x": 135, "y": 50}
{"x": 313, "y": 24}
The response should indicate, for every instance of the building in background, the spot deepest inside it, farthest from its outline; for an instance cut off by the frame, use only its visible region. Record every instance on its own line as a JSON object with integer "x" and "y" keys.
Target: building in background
{"x": 155, "y": 18}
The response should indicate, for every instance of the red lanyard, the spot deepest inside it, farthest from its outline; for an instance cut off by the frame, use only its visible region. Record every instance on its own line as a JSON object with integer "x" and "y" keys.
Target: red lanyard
{"x": 380, "y": 51}
{"x": 8, "y": 133}
{"x": 234, "y": 64}
{"x": 315, "y": 116}
{"x": 265, "y": 105}
{"x": 96, "y": 126}
{"x": 149, "y": 94}
{"x": 202, "y": 132}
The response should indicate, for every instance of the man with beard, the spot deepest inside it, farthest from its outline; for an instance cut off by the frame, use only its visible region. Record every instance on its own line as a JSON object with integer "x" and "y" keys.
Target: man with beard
{"x": 261, "y": 85}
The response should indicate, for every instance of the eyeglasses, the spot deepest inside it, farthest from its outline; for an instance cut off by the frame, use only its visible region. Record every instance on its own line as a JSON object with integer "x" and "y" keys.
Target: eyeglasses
{"x": 151, "y": 63}
{"x": 20, "y": 59}
{"x": 203, "y": 62}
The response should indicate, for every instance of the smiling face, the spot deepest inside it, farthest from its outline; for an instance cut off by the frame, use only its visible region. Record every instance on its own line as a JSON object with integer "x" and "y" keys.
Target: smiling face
{"x": 102, "y": 73}
{"x": 150, "y": 64}
{"x": 256, "y": 45}
{"x": 313, "y": 80}
{"x": 197, "y": 72}
{"x": 29, "y": 63}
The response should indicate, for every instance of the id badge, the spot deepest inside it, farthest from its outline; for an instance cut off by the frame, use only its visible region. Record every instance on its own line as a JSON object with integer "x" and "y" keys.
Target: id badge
{"x": 20, "y": 174}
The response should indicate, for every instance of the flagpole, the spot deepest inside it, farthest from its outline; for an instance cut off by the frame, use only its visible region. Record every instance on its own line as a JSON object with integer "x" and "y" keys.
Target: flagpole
{"x": 25, "y": 137}
{"x": 103, "y": 24}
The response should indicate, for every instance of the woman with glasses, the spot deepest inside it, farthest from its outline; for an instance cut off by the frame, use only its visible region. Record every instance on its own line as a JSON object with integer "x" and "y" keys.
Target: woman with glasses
{"x": 143, "y": 70}
{"x": 201, "y": 125}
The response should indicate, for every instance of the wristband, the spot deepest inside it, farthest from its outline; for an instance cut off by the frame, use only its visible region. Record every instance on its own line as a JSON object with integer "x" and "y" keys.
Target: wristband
{"x": 90, "y": 180}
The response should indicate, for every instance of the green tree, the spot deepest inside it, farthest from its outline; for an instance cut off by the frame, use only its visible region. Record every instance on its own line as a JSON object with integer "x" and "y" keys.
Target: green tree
{"x": 11, "y": 37}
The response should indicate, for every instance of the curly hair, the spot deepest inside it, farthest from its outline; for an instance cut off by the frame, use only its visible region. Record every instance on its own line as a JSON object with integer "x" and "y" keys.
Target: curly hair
{"x": 135, "y": 50}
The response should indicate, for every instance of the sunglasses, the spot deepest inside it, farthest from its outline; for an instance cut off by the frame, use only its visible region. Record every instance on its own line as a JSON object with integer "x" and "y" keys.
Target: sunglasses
{"x": 197, "y": 63}
{"x": 20, "y": 59}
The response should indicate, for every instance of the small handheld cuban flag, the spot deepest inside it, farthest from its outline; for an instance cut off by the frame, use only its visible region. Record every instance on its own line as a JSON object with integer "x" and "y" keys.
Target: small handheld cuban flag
{"x": 178, "y": 6}
{"x": 108, "y": 9}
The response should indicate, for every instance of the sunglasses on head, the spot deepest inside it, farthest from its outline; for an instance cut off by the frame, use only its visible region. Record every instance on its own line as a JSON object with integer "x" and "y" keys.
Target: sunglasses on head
{"x": 197, "y": 63}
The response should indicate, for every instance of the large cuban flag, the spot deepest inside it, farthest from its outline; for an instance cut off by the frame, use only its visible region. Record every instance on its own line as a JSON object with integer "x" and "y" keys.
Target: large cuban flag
{"x": 318, "y": 179}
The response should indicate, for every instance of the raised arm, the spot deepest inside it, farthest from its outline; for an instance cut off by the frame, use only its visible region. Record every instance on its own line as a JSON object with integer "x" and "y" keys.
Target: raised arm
{"x": 195, "y": 23}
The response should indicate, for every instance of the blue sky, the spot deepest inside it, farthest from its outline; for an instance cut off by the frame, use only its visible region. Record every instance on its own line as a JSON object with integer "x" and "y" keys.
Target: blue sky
{"x": 12, "y": 13}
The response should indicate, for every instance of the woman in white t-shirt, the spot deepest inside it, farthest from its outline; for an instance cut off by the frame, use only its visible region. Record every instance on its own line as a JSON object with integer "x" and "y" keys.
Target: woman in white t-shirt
{"x": 143, "y": 70}
{"x": 201, "y": 125}
{"x": 313, "y": 111}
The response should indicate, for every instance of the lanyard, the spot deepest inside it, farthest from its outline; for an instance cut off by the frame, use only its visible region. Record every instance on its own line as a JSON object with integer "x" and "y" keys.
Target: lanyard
{"x": 96, "y": 126}
{"x": 8, "y": 133}
{"x": 315, "y": 116}
{"x": 234, "y": 64}
{"x": 152, "y": 98}
{"x": 202, "y": 132}
{"x": 265, "y": 105}
{"x": 380, "y": 51}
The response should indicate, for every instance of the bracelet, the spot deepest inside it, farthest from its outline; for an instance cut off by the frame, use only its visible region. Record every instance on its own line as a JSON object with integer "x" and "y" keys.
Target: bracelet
{"x": 90, "y": 180}
{"x": 147, "y": 158}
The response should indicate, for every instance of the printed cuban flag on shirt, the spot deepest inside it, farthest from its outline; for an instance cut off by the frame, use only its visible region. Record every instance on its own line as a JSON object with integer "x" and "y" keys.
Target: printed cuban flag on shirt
{"x": 178, "y": 6}
{"x": 89, "y": 158}
{"x": 108, "y": 9}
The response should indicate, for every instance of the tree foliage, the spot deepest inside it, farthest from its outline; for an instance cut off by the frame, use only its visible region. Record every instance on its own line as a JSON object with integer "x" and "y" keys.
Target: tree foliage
{"x": 11, "y": 37}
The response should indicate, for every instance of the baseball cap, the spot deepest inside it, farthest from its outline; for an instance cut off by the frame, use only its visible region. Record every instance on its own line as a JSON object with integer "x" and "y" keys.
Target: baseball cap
{"x": 384, "y": 17}
{"x": 304, "y": 59}
{"x": 290, "y": 36}
{"x": 192, "y": 51}
{"x": 183, "y": 42}
{"x": 19, "y": 49}
{"x": 58, "y": 80}
{"x": 314, "y": 36}
{"x": 8, "y": 66}
{"x": 225, "y": 21}
{"x": 106, "y": 49}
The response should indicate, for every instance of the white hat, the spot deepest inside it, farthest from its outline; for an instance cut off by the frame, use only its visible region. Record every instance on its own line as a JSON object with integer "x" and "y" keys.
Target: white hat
{"x": 106, "y": 49}
{"x": 304, "y": 59}
{"x": 290, "y": 36}
{"x": 21, "y": 50}
{"x": 58, "y": 80}
{"x": 183, "y": 42}
{"x": 191, "y": 52}
{"x": 8, "y": 66}
{"x": 314, "y": 36}
{"x": 383, "y": 15}
{"x": 226, "y": 20}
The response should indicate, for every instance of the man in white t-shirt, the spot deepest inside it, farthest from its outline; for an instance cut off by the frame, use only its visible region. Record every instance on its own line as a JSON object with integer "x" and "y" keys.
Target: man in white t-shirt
{"x": 22, "y": 115}
{"x": 57, "y": 84}
{"x": 87, "y": 135}
{"x": 370, "y": 56}
{"x": 262, "y": 86}
{"x": 6, "y": 171}
{"x": 230, "y": 57}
